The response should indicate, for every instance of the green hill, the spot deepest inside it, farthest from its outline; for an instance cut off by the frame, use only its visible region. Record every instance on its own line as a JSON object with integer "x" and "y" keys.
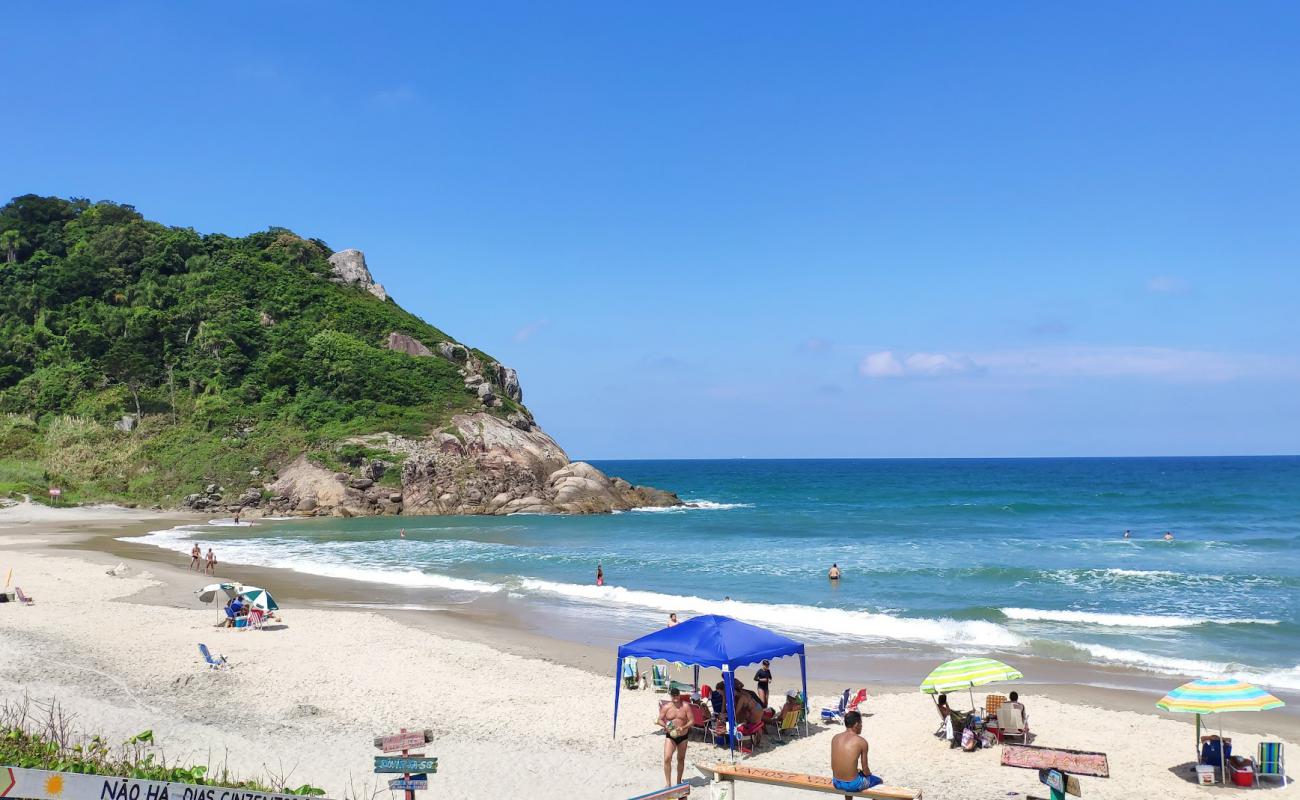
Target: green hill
{"x": 139, "y": 362}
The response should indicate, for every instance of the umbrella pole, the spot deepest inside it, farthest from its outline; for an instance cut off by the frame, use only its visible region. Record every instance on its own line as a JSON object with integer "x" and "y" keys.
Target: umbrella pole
{"x": 1223, "y": 759}
{"x": 971, "y": 692}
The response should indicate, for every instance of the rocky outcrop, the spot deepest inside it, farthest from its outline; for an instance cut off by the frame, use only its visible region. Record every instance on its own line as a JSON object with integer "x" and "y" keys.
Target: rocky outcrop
{"x": 405, "y": 344}
{"x": 480, "y": 465}
{"x": 349, "y": 267}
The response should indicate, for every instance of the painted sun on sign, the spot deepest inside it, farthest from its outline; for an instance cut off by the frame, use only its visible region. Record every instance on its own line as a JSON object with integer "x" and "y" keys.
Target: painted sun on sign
{"x": 54, "y": 784}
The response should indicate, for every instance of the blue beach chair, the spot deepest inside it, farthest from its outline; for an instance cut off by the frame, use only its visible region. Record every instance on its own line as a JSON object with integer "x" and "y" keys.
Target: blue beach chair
{"x": 214, "y": 663}
{"x": 1270, "y": 763}
{"x": 832, "y": 714}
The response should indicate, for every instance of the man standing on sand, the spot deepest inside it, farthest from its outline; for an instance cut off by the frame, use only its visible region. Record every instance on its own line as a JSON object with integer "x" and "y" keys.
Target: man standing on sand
{"x": 848, "y": 748}
{"x": 675, "y": 720}
{"x": 211, "y": 568}
{"x": 196, "y": 555}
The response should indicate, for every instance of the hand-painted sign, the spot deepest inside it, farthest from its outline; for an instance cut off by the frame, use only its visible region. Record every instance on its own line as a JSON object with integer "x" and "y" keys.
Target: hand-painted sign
{"x": 1071, "y": 762}
{"x": 412, "y": 783}
{"x": 403, "y": 741}
{"x": 39, "y": 784}
{"x": 390, "y": 764}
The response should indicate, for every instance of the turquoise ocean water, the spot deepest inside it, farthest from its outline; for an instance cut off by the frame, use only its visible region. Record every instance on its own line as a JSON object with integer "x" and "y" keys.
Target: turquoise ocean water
{"x": 1006, "y": 555}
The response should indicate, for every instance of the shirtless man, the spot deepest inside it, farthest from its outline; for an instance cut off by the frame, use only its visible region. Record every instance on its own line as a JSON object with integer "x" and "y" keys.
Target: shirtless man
{"x": 675, "y": 720}
{"x": 211, "y": 568}
{"x": 847, "y": 750}
{"x": 196, "y": 555}
{"x": 834, "y": 572}
{"x": 749, "y": 713}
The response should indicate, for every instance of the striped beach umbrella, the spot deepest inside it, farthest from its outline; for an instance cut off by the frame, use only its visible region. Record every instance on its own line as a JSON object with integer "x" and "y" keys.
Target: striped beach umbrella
{"x": 965, "y": 673}
{"x": 260, "y": 598}
{"x": 1209, "y": 696}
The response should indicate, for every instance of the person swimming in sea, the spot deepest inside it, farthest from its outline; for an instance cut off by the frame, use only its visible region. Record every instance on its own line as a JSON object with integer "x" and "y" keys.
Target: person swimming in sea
{"x": 1127, "y": 534}
{"x": 600, "y": 576}
{"x": 1169, "y": 536}
{"x": 834, "y": 572}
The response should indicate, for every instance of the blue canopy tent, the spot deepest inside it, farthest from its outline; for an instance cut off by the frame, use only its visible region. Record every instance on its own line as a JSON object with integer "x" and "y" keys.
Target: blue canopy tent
{"x": 712, "y": 641}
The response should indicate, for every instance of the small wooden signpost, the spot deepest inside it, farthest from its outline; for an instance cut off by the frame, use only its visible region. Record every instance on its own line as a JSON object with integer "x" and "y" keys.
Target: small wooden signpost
{"x": 413, "y": 767}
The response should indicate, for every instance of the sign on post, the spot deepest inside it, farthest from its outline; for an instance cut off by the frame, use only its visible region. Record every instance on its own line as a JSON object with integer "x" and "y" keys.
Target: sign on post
{"x": 403, "y": 741}
{"x": 410, "y": 784}
{"x": 1053, "y": 779}
{"x": 1071, "y": 762}
{"x": 391, "y": 764}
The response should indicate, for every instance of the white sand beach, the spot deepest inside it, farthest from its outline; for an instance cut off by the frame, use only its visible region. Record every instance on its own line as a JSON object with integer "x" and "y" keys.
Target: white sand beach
{"x": 306, "y": 697}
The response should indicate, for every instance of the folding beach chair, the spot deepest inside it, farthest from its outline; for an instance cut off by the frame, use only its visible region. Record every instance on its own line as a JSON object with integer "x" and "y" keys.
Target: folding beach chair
{"x": 1270, "y": 763}
{"x": 858, "y": 699}
{"x": 1011, "y": 722}
{"x": 22, "y": 598}
{"x": 256, "y": 618}
{"x": 992, "y": 703}
{"x": 659, "y": 677}
{"x": 831, "y": 714}
{"x": 214, "y": 663}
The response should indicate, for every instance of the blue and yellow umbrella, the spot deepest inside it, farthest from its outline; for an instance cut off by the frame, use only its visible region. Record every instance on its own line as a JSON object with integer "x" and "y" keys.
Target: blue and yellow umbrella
{"x": 1209, "y": 696}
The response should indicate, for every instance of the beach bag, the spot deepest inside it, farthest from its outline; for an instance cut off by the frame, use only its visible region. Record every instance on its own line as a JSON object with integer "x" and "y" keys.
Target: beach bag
{"x": 968, "y": 740}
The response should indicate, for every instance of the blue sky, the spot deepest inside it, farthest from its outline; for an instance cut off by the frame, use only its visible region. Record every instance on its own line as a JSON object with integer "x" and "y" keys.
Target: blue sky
{"x": 745, "y": 229}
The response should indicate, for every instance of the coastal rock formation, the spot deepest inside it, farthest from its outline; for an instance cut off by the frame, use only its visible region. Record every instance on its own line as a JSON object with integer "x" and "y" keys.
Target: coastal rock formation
{"x": 405, "y": 344}
{"x": 349, "y": 267}
{"x": 480, "y": 464}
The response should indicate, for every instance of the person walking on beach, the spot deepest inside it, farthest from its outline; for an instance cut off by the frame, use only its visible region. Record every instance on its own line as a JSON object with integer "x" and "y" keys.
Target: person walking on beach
{"x": 834, "y": 572}
{"x": 675, "y": 720}
{"x": 848, "y": 749}
{"x": 211, "y": 568}
{"x": 196, "y": 556}
{"x": 600, "y": 576}
{"x": 763, "y": 677}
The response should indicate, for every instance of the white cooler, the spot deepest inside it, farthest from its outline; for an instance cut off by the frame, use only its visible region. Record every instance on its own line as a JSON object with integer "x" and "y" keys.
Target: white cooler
{"x": 1205, "y": 774}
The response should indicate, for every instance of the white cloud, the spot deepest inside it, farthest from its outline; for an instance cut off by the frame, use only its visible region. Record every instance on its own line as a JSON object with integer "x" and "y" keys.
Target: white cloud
{"x": 881, "y": 365}
{"x": 530, "y": 330}
{"x": 885, "y": 364}
{"x": 1152, "y": 363}
{"x": 1168, "y": 284}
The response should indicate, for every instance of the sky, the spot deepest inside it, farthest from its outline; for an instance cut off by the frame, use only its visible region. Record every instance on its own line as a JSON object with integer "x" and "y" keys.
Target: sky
{"x": 745, "y": 229}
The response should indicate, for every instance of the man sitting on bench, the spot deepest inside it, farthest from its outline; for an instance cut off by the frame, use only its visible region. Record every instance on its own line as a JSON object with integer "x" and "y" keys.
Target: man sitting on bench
{"x": 848, "y": 748}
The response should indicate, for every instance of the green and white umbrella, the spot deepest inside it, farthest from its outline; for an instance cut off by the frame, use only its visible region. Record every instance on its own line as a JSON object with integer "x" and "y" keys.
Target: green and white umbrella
{"x": 260, "y": 598}
{"x": 965, "y": 673}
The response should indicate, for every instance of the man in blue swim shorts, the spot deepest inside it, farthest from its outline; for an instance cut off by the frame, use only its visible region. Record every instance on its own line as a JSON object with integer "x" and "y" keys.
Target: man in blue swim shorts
{"x": 848, "y": 750}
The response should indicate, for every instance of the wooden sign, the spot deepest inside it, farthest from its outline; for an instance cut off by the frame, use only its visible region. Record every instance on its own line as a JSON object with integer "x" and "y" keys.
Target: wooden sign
{"x": 39, "y": 784}
{"x": 410, "y": 784}
{"x": 391, "y": 764}
{"x": 1071, "y": 762}
{"x": 403, "y": 741}
{"x": 56, "y": 492}
{"x": 670, "y": 793}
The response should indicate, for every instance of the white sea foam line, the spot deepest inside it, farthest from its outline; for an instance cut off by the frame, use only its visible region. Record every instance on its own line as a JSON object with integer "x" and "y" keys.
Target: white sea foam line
{"x": 1281, "y": 678}
{"x": 694, "y": 505}
{"x": 1124, "y": 620}
{"x": 274, "y": 554}
{"x": 797, "y": 618}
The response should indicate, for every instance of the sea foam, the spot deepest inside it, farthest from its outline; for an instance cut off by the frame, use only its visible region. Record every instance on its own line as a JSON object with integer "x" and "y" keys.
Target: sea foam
{"x": 1124, "y": 620}
{"x": 831, "y": 622}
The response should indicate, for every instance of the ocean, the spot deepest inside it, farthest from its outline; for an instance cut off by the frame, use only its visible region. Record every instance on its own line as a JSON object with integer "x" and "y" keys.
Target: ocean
{"x": 939, "y": 556}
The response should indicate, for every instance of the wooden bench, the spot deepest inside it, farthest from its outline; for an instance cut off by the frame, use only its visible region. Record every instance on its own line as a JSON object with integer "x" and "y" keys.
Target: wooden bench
{"x": 669, "y": 793}
{"x": 798, "y": 780}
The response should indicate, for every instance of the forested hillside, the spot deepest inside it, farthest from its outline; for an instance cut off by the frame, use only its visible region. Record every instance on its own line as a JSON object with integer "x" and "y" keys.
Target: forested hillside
{"x": 140, "y": 361}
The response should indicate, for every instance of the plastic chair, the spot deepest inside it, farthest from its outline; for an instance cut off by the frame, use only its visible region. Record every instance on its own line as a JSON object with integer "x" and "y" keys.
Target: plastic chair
{"x": 214, "y": 663}
{"x": 1270, "y": 763}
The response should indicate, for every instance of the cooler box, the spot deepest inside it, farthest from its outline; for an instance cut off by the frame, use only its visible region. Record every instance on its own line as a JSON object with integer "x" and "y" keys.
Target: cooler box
{"x": 1243, "y": 776}
{"x": 1205, "y": 774}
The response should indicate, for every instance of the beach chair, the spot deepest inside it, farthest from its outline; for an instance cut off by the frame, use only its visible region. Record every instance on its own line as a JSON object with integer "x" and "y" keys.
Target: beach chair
{"x": 1011, "y": 722}
{"x": 992, "y": 703}
{"x": 832, "y": 714}
{"x": 256, "y": 618}
{"x": 1270, "y": 763}
{"x": 747, "y": 737}
{"x": 214, "y": 663}
{"x": 789, "y": 724}
{"x": 700, "y": 720}
{"x": 659, "y": 677}
{"x": 22, "y": 598}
